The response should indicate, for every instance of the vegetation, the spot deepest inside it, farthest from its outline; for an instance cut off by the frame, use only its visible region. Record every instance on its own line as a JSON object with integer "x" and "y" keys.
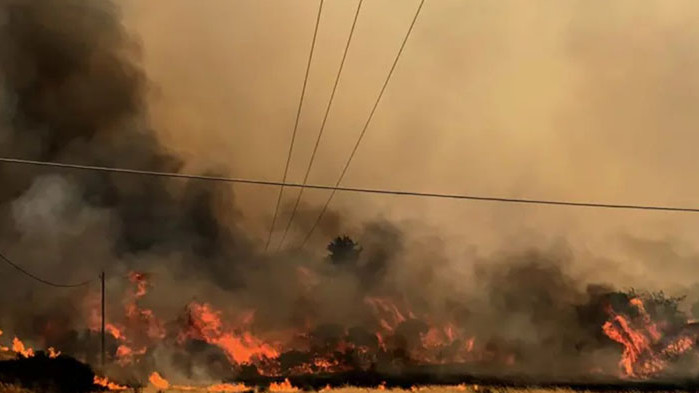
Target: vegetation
{"x": 344, "y": 251}
{"x": 661, "y": 307}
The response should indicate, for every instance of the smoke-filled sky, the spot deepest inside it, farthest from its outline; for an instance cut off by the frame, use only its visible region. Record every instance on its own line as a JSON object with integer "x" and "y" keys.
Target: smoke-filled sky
{"x": 570, "y": 100}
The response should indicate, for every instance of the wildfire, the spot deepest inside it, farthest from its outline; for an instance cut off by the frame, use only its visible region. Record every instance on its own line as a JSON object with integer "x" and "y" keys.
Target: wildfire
{"x": 141, "y": 282}
{"x": 205, "y": 323}
{"x": 388, "y": 312}
{"x": 646, "y": 352}
{"x": 114, "y": 331}
{"x": 284, "y": 386}
{"x": 53, "y": 353}
{"x": 139, "y": 327}
{"x": 106, "y": 383}
{"x": 18, "y": 346}
{"x": 125, "y": 354}
{"x": 228, "y": 387}
{"x": 161, "y": 383}
{"x": 158, "y": 381}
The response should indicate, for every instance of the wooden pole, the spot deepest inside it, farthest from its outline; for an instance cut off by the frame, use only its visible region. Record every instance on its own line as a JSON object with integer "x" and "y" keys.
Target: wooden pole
{"x": 104, "y": 349}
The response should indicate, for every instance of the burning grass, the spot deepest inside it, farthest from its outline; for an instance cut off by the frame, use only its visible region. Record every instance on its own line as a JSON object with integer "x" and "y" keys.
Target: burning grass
{"x": 648, "y": 331}
{"x": 4, "y": 388}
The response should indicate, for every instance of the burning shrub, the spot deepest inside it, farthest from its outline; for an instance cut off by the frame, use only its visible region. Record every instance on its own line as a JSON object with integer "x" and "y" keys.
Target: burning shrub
{"x": 652, "y": 330}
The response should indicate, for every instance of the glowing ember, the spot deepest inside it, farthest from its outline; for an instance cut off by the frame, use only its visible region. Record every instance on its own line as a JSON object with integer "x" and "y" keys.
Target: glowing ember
{"x": 284, "y": 386}
{"x": 18, "y": 346}
{"x": 158, "y": 382}
{"x": 679, "y": 346}
{"x": 106, "y": 383}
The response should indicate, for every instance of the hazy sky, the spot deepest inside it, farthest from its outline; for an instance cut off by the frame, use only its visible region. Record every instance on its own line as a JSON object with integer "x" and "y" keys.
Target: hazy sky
{"x": 571, "y": 100}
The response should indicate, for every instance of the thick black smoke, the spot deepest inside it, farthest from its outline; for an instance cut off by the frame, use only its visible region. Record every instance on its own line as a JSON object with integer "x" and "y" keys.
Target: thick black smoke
{"x": 71, "y": 90}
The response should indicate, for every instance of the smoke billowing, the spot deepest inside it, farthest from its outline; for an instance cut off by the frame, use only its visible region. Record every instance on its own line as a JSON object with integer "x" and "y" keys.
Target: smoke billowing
{"x": 75, "y": 87}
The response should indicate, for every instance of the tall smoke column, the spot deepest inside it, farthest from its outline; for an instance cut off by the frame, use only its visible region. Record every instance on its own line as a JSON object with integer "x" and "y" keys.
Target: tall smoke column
{"x": 71, "y": 90}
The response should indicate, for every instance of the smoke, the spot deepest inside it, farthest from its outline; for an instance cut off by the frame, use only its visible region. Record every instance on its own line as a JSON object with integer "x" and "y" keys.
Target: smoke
{"x": 73, "y": 91}
{"x": 78, "y": 86}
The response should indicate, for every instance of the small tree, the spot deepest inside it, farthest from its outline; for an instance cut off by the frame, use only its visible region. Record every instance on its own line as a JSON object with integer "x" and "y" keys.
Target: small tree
{"x": 344, "y": 251}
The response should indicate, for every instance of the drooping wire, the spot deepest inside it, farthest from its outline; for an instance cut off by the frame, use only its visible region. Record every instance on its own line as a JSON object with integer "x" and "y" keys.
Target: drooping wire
{"x": 296, "y": 126}
{"x": 39, "y": 279}
{"x": 364, "y": 129}
{"x": 322, "y": 125}
{"x": 376, "y": 191}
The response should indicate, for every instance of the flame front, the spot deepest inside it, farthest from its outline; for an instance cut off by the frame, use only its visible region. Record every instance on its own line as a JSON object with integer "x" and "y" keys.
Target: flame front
{"x": 205, "y": 323}
{"x": 158, "y": 381}
{"x": 228, "y": 388}
{"x": 284, "y": 386}
{"x": 106, "y": 383}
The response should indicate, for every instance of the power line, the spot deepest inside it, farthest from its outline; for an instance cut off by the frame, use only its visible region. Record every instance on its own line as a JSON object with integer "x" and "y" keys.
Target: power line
{"x": 322, "y": 125}
{"x": 39, "y": 279}
{"x": 296, "y": 125}
{"x": 348, "y": 189}
{"x": 366, "y": 126}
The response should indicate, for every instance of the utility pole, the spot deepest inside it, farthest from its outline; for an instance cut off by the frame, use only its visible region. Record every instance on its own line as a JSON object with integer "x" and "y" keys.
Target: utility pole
{"x": 104, "y": 349}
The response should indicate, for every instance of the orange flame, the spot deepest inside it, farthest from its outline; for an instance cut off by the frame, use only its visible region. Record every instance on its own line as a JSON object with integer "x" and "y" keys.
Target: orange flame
{"x": 284, "y": 386}
{"x": 158, "y": 382}
{"x": 106, "y": 383}
{"x": 53, "y": 353}
{"x": 18, "y": 346}
{"x": 641, "y": 337}
{"x": 141, "y": 281}
{"x": 126, "y": 354}
{"x": 140, "y": 325}
{"x": 205, "y": 323}
{"x": 228, "y": 387}
{"x": 114, "y": 331}
{"x": 387, "y": 310}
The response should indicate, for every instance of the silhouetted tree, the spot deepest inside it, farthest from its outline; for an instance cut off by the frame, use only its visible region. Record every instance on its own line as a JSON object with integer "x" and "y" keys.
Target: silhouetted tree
{"x": 344, "y": 251}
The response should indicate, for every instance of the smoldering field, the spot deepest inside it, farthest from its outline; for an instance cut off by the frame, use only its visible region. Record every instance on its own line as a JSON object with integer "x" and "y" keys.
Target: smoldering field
{"x": 567, "y": 100}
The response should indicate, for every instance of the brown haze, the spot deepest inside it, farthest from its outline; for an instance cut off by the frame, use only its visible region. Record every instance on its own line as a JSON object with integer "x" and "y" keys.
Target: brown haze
{"x": 569, "y": 100}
